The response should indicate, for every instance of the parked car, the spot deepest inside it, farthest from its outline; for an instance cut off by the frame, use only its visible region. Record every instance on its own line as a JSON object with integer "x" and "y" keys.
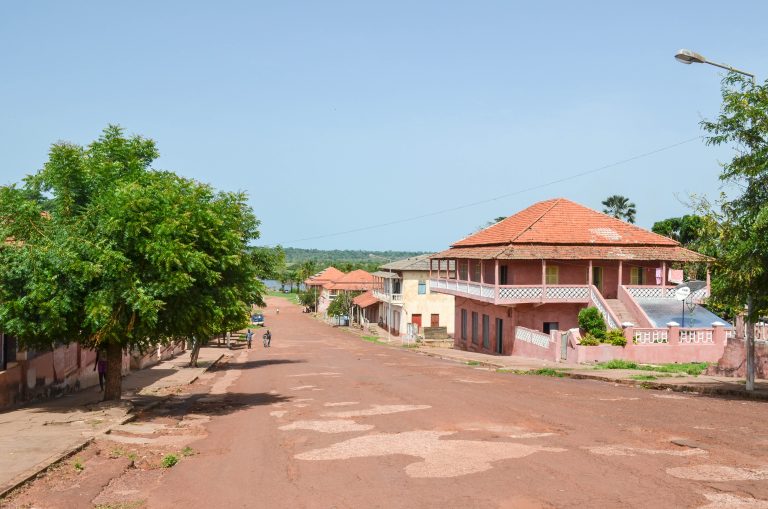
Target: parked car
{"x": 258, "y": 319}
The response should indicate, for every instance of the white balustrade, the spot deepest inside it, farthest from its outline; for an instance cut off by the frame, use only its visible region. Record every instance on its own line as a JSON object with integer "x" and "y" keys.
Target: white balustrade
{"x": 597, "y": 301}
{"x": 519, "y": 293}
{"x": 696, "y": 336}
{"x": 651, "y": 336}
{"x": 567, "y": 293}
{"x": 531, "y": 336}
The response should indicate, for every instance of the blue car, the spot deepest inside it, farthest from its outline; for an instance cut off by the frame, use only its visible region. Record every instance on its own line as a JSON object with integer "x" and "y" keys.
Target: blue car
{"x": 257, "y": 319}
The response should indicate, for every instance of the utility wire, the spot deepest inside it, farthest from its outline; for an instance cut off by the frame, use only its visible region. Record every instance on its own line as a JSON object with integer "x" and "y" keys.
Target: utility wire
{"x": 499, "y": 197}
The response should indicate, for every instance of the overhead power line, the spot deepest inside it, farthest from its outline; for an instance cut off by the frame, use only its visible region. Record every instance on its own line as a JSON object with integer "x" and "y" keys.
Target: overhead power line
{"x": 499, "y": 197}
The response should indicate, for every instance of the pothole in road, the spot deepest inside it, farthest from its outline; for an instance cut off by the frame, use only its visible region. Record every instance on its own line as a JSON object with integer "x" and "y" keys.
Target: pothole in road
{"x": 625, "y": 450}
{"x": 333, "y": 426}
{"x": 377, "y": 410}
{"x": 440, "y": 458}
{"x": 728, "y": 501}
{"x": 718, "y": 473}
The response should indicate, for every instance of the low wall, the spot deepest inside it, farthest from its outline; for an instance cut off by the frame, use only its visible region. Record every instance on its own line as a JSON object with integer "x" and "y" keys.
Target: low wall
{"x": 155, "y": 355}
{"x": 696, "y": 345}
{"x": 535, "y": 351}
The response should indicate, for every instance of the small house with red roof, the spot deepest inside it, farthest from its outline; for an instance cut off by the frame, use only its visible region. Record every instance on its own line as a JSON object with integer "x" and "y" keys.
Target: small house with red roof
{"x": 519, "y": 286}
{"x": 334, "y": 282}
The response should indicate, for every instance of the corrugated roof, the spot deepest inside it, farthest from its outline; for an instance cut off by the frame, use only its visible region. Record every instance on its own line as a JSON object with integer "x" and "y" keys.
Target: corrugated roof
{"x": 561, "y": 221}
{"x": 420, "y": 262}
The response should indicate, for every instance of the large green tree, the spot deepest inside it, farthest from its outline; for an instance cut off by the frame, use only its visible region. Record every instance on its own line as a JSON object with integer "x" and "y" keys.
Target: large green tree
{"x": 620, "y": 207}
{"x": 103, "y": 250}
{"x": 739, "y": 222}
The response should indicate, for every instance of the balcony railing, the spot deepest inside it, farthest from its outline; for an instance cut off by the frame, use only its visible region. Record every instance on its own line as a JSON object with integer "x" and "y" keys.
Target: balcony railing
{"x": 662, "y": 292}
{"x": 392, "y": 298}
{"x": 512, "y": 294}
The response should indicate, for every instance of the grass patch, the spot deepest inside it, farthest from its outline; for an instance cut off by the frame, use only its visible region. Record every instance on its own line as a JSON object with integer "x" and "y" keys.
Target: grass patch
{"x": 78, "y": 465}
{"x": 293, "y": 297}
{"x": 169, "y": 460}
{"x": 473, "y": 363}
{"x": 188, "y": 451}
{"x": 643, "y": 377}
{"x": 122, "y": 505}
{"x": 372, "y": 339}
{"x": 410, "y": 345}
{"x": 688, "y": 368}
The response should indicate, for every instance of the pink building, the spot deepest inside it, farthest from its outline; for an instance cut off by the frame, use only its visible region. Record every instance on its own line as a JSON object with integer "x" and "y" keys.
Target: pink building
{"x": 519, "y": 282}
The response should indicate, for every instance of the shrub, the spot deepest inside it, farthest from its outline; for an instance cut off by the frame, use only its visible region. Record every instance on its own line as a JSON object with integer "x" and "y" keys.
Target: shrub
{"x": 589, "y": 340}
{"x": 592, "y": 322}
{"x": 615, "y": 337}
{"x": 170, "y": 460}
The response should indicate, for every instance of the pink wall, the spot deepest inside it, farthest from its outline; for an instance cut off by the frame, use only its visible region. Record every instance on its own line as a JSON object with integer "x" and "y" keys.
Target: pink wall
{"x": 641, "y": 318}
{"x": 660, "y": 353}
{"x": 533, "y": 317}
{"x": 529, "y": 316}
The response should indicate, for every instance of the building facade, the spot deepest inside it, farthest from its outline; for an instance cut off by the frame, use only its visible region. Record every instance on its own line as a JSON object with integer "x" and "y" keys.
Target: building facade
{"x": 407, "y": 303}
{"x": 519, "y": 281}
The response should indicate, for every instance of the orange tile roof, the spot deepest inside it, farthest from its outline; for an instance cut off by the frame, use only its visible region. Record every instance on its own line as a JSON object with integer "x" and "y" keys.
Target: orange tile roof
{"x": 574, "y": 252}
{"x": 328, "y": 274}
{"x": 365, "y": 299}
{"x": 561, "y": 221}
{"x": 355, "y": 280}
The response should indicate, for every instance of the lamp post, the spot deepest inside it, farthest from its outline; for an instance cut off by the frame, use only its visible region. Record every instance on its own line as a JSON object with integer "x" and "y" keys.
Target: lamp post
{"x": 686, "y": 56}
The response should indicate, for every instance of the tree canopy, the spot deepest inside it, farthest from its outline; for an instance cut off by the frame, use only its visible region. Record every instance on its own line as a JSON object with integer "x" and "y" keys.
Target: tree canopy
{"x": 619, "y": 207}
{"x": 103, "y": 250}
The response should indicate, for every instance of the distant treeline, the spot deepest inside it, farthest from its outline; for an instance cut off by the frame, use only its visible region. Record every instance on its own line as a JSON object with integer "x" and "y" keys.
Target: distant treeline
{"x": 295, "y": 255}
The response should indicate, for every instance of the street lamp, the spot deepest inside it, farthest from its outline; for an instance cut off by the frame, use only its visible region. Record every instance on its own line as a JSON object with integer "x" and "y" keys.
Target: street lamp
{"x": 686, "y": 56}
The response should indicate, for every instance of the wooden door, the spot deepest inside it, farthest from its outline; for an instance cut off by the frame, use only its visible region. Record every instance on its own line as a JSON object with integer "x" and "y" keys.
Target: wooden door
{"x": 434, "y": 320}
{"x": 416, "y": 320}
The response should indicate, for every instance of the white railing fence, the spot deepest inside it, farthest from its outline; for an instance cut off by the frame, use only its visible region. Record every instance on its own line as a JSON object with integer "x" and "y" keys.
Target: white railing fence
{"x": 651, "y": 336}
{"x": 696, "y": 336}
{"x": 532, "y": 336}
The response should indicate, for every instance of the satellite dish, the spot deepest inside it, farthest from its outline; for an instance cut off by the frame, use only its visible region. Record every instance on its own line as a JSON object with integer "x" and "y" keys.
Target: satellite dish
{"x": 682, "y": 293}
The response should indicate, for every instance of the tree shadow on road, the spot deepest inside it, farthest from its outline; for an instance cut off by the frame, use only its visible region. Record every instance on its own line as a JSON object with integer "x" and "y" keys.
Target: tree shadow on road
{"x": 204, "y": 404}
{"x": 255, "y": 364}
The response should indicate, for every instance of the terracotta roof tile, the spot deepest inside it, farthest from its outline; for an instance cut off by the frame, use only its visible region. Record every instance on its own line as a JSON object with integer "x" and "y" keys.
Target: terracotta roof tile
{"x": 575, "y": 252}
{"x": 365, "y": 299}
{"x": 561, "y": 221}
{"x": 355, "y": 280}
{"x": 328, "y": 274}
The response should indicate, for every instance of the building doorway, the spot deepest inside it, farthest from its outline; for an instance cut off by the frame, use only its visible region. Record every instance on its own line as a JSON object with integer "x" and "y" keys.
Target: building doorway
{"x": 434, "y": 320}
{"x": 597, "y": 278}
{"x": 416, "y": 321}
{"x": 499, "y": 336}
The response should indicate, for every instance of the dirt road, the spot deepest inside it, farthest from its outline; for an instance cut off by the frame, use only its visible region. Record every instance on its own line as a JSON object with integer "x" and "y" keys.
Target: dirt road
{"x": 323, "y": 419}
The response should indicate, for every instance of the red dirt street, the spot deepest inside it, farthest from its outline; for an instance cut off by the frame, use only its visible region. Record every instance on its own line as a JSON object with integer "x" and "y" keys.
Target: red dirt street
{"x": 323, "y": 419}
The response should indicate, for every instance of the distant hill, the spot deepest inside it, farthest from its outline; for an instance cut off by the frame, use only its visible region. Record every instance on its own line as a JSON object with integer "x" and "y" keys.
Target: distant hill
{"x": 294, "y": 255}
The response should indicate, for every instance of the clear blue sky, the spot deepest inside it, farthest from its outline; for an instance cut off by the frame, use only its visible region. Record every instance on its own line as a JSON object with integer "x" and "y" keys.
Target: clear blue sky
{"x": 340, "y": 115}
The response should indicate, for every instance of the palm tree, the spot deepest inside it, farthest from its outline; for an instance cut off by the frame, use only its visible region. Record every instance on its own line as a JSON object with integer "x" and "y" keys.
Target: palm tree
{"x": 620, "y": 207}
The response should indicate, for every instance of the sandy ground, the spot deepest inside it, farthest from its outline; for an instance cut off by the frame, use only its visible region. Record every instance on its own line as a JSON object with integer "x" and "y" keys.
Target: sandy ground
{"x": 323, "y": 419}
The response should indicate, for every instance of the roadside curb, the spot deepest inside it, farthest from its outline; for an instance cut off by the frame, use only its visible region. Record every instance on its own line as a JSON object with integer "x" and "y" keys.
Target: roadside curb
{"x": 642, "y": 384}
{"x": 54, "y": 460}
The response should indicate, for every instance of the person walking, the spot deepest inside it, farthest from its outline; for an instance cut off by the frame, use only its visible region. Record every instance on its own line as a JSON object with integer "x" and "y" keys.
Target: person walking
{"x": 101, "y": 366}
{"x": 249, "y": 338}
{"x": 267, "y": 339}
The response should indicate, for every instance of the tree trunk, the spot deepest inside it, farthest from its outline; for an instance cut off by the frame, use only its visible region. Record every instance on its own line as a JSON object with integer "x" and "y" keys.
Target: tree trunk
{"x": 750, "y": 346}
{"x": 114, "y": 383}
{"x": 194, "y": 353}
